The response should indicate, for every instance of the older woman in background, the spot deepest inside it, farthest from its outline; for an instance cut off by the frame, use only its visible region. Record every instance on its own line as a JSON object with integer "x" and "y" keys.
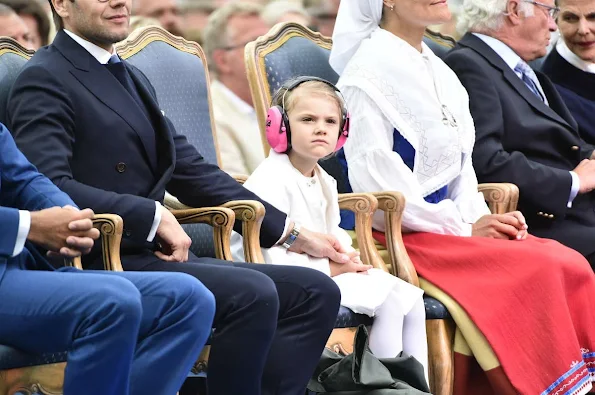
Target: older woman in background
{"x": 571, "y": 65}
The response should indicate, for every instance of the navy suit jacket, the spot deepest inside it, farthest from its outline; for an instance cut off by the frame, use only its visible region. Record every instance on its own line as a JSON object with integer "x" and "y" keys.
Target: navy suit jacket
{"x": 520, "y": 139}
{"x": 22, "y": 187}
{"x": 73, "y": 119}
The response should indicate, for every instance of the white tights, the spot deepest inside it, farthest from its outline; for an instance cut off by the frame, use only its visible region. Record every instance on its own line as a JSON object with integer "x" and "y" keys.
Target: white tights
{"x": 394, "y": 332}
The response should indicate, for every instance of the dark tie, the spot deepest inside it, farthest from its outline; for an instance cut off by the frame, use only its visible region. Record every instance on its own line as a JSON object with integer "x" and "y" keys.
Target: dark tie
{"x": 118, "y": 70}
{"x": 527, "y": 77}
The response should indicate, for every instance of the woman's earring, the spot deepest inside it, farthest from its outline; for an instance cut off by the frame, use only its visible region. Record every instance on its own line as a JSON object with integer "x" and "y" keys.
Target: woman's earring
{"x": 392, "y": 7}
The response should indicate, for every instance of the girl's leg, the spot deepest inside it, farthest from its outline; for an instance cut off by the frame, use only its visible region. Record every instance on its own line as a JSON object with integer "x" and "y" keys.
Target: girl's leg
{"x": 415, "y": 342}
{"x": 386, "y": 335}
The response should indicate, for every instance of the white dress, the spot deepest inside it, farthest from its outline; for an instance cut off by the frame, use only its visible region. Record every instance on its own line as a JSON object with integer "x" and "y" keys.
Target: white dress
{"x": 313, "y": 203}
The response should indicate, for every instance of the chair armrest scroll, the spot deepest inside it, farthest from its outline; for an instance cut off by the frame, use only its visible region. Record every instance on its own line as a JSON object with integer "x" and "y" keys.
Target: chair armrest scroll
{"x": 110, "y": 229}
{"x": 501, "y": 197}
{"x": 220, "y": 218}
{"x": 251, "y": 213}
{"x": 363, "y": 205}
{"x": 393, "y": 204}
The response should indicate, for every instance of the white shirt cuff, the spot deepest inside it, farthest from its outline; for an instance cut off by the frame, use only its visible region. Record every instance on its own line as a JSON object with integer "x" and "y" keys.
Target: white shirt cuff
{"x": 285, "y": 231}
{"x": 576, "y": 185}
{"x": 24, "y": 227}
{"x": 156, "y": 222}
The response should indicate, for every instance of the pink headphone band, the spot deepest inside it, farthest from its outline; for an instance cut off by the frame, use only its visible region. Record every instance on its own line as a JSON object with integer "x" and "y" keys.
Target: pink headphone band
{"x": 278, "y": 131}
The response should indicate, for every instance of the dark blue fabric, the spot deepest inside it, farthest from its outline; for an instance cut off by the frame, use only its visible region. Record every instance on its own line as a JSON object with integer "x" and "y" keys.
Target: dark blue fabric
{"x": 577, "y": 88}
{"x": 407, "y": 153}
{"x": 347, "y": 217}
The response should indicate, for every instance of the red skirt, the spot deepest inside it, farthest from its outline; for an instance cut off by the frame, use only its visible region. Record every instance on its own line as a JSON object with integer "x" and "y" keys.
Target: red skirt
{"x": 531, "y": 299}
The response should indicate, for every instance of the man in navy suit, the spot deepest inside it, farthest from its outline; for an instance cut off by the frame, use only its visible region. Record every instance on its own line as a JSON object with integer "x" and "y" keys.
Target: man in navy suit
{"x": 117, "y": 327}
{"x": 91, "y": 123}
{"x": 524, "y": 133}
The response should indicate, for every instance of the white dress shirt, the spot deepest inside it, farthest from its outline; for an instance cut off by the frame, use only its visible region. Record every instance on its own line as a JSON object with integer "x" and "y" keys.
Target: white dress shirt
{"x": 103, "y": 57}
{"x": 23, "y": 232}
{"x": 512, "y": 59}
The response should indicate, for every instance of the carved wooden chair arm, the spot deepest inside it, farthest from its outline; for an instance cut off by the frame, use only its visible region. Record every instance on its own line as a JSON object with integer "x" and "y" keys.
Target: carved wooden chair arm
{"x": 251, "y": 213}
{"x": 501, "y": 197}
{"x": 110, "y": 228}
{"x": 220, "y": 218}
{"x": 363, "y": 205}
{"x": 393, "y": 204}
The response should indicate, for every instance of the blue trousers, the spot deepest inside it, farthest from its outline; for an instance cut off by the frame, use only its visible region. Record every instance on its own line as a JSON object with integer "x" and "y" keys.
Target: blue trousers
{"x": 125, "y": 333}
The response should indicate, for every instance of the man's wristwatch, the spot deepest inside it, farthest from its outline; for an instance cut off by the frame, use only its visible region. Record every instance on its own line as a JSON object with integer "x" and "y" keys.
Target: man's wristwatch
{"x": 293, "y": 235}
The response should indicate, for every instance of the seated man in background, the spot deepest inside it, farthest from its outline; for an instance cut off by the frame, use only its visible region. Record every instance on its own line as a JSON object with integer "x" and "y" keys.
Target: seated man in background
{"x": 571, "y": 64}
{"x": 524, "y": 133}
{"x": 91, "y": 123}
{"x": 166, "y": 12}
{"x": 116, "y": 327}
{"x": 11, "y": 25}
{"x": 228, "y": 31}
{"x": 36, "y": 19}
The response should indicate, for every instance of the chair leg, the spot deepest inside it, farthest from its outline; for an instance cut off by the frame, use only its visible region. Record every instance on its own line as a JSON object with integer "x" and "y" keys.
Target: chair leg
{"x": 43, "y": 379}
{"x": 440, "y": 356}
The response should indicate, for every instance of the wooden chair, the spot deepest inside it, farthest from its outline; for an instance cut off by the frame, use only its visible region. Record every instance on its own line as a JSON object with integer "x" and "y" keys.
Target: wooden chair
{"x": 290, "y": 50}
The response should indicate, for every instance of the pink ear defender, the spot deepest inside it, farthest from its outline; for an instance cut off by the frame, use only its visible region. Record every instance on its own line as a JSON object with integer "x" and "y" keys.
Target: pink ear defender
{"x": 278, "y": 131}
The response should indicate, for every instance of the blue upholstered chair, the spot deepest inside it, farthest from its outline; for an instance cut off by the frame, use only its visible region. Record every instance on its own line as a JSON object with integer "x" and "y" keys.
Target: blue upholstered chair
{"x": 43, "y": 374}
{"x": 290, "y": 50}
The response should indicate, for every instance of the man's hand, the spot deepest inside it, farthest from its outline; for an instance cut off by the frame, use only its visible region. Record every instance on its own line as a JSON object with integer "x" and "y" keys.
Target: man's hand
{"x": 501, "y": 226}
{"x": 319, "y": 245}
{"x": 586, "y": 175}
{"x": 174, "y": 241}
{"x": 354, "y": 265}
{"x": 65, "y": 231}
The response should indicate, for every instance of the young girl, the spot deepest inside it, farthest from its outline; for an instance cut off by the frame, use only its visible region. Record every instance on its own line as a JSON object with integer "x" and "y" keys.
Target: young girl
{"x": 309, "y": 122}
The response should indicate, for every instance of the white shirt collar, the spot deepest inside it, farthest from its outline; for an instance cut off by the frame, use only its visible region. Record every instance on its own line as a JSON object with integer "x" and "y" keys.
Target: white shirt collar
{"x": 98, "y": 53}
{"x": 573, "y": 59}
{"x": 244, "y": 107}
{"x": 506, "y": 53}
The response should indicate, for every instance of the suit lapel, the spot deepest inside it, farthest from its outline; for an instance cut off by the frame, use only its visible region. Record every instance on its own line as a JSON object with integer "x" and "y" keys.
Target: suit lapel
{"x": 475, "y": 43}
{"x": 162, "y": 127}
{"x": 106, "y": 88}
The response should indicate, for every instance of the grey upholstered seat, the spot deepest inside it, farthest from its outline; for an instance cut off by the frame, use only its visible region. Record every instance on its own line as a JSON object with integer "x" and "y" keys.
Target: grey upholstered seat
{"x": 298, "y": 56}
{"x": 180, "y": 81}
{"x": 10, "y": 67}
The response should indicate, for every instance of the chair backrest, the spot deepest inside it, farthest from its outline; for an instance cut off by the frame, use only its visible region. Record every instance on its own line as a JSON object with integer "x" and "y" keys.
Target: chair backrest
{"x": 439, "y": 43}
{"x": 177, "y": 69}
{"x": 13, "y": 57}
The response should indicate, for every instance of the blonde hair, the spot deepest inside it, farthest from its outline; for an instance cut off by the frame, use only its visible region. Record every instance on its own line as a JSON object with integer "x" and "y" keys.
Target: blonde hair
{"x": 287, "y": 99}
{"x": 215, "y": 34}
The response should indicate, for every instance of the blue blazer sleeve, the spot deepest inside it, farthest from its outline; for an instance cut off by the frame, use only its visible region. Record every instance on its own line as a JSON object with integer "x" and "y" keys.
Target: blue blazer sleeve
{"x": 9, "y": 222}
{"x": 22, "y": 187}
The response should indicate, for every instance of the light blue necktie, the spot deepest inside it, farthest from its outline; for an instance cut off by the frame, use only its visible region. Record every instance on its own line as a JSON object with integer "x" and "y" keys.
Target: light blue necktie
{"x": 529, "y": 78}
